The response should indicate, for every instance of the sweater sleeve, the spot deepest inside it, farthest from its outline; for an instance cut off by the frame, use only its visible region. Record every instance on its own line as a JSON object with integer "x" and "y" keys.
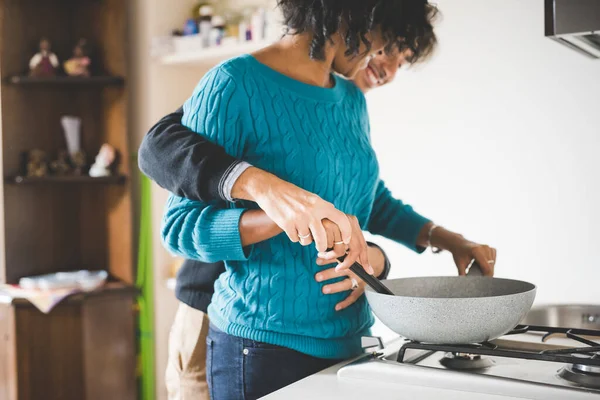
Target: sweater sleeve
{"x": 194, "y": 229}
{"x": 395, "y": 220}
{"x": 197, "y": 231}
{"x": 183, "y": 162}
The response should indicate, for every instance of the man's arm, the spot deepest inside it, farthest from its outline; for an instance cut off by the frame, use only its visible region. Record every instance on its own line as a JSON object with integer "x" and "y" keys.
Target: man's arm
{"x": 187, "y": 164}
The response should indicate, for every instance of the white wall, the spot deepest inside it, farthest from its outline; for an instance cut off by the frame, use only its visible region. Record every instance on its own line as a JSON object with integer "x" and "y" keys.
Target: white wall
{"x": 498, "y": 137}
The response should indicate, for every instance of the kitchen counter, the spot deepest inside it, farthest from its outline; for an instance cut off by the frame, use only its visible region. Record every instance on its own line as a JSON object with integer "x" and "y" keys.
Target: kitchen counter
{"x": 327, "y": 385}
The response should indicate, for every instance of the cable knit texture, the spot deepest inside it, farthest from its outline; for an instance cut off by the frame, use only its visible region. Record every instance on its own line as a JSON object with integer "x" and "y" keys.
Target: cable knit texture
{"x": 316, "y": 138}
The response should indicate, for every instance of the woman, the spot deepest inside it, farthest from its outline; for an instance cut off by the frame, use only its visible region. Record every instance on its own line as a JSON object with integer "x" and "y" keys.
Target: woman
{"x": 285, "y": 112}
{"x": 183, "y": 162}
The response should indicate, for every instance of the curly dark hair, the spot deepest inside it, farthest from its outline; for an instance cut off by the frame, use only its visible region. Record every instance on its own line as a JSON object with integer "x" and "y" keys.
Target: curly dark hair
{"x": 405, "y": 24}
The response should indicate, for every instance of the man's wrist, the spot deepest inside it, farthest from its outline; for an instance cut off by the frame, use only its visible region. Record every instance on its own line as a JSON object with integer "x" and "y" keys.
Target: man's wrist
{"x": 230, "y": 177}
{"x": 248, "y": 184}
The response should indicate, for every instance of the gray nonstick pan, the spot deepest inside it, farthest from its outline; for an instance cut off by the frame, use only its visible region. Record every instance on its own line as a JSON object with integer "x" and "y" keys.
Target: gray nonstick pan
{"x": 452, "y": 310}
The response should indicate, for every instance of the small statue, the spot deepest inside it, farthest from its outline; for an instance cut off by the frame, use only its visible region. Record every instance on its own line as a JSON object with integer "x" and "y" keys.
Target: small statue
{"x": 44, "y": 63}
{"x": 104, "y": 160}
{"x": 61, "y": 166}
{"x": 79, "y": 64}
{"x": 79, "y": 162}
{"x": 37, "y": 165}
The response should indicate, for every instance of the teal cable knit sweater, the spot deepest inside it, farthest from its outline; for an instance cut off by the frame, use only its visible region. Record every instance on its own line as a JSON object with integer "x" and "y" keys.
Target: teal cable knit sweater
{"x": 318, "y": 139}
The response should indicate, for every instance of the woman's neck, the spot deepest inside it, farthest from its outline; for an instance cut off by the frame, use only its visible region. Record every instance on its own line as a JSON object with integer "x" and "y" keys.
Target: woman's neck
{"x": 290, "y": 56}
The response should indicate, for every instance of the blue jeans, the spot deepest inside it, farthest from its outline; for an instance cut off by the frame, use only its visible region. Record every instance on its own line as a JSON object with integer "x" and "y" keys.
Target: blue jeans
{"x": 243, "y": 369}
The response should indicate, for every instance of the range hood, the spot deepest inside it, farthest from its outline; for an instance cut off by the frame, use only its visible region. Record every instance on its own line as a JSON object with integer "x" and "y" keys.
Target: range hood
{"x": 575, "y": 24}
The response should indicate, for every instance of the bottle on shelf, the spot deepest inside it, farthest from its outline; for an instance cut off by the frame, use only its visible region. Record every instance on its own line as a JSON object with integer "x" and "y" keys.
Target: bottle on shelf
{"x": 205, "y": 24}
{"x": 258, "y": 25}
{"x": 217, "y": 31}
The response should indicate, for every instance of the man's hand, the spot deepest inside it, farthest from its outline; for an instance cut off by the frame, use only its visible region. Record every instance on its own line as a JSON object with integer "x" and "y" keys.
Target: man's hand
{"x": 298, "y": 212}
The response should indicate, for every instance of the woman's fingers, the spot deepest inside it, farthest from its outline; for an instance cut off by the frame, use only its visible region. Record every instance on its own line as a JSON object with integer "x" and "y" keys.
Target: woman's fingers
{"x": 363, "y": 259}
{"x": 333, "y": 255}
{"x": 351, "y": 299}
{"x": 341, "y": 286}
{"x": 327, "y": 274}
{"x": 357, "y": 250}
{"x": 484, "y": 255}
{"x": 337, "y": 287}
{"x": 350, "y": 259}
{"x": 322, "y": 262}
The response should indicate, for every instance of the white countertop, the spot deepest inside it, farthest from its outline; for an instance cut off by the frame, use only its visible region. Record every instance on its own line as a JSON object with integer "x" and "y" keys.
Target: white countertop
{"x": 327, "y": 385}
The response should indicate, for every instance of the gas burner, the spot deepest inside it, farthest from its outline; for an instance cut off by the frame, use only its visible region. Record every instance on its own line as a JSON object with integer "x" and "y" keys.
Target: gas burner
{"x": 462, "y": 361}
{"x": 577, "y": 374}
{"x": 581, "y": 374}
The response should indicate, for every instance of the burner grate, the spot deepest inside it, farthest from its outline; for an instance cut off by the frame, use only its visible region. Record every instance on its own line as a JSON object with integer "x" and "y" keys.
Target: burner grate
{"x": 567, "y": 356}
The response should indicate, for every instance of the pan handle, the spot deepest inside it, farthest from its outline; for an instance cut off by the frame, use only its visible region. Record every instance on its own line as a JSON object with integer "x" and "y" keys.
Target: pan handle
{"x": 370, "y": 280}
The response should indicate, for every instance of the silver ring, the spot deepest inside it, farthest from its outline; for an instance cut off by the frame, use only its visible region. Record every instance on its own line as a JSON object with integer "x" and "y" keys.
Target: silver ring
{"x": 338, "y": 243}
{"x": 491, "y": 261}
{"x": 302, "y": 237}
{"x": 354, "y": 284}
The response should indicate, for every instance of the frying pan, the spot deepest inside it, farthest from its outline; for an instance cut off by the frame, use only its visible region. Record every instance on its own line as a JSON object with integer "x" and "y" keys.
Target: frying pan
{"x": 452, "y": 310}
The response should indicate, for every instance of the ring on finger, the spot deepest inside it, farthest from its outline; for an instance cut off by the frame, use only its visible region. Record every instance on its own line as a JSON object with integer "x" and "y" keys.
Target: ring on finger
{"x": 302, "y": 237}
{"x": 491, "y": 261}
{"x": 354, "y": 284}
{"x": 338, "y": 243}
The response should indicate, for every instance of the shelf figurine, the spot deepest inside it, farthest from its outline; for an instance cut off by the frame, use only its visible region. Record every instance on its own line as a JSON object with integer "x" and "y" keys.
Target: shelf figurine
{"x": 37, "y": 165}
{"x": 61, "y": 166}
{"x": 79, "y": 63}
{"x": 104, "y": 160}
{"x": 44, "y": 63}
{"x": 79, "y": 161}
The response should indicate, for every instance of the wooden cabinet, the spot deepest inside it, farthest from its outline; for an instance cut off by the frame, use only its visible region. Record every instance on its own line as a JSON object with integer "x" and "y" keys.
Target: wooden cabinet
{"x": 85, "y": 348}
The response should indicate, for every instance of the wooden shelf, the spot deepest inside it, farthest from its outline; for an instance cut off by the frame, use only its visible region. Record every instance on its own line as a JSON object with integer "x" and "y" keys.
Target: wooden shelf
{"x": 85, "y": 348}
{"x": 212, "y": 55}
{"x": 66, "y": 81}
{"x": 82, "y": 179}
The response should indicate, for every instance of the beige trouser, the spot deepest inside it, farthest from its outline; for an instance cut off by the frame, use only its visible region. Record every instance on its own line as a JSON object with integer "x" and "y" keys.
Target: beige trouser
{"x": 186, "y": 368}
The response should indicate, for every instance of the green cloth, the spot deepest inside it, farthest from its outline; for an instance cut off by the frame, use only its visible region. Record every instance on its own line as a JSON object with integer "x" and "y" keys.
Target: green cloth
{"x": 144, "y": 283}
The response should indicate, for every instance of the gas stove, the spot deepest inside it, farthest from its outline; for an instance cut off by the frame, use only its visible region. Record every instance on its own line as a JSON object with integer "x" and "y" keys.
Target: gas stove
{"x": 533, "y": 362}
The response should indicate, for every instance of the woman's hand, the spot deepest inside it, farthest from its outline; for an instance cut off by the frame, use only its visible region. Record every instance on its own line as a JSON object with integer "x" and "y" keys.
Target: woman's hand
{"x": 378, "y": 261}
{"x": 357, "y": 250}
{"x": 463, "y": 251}
{"x": 466, "y": 251}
